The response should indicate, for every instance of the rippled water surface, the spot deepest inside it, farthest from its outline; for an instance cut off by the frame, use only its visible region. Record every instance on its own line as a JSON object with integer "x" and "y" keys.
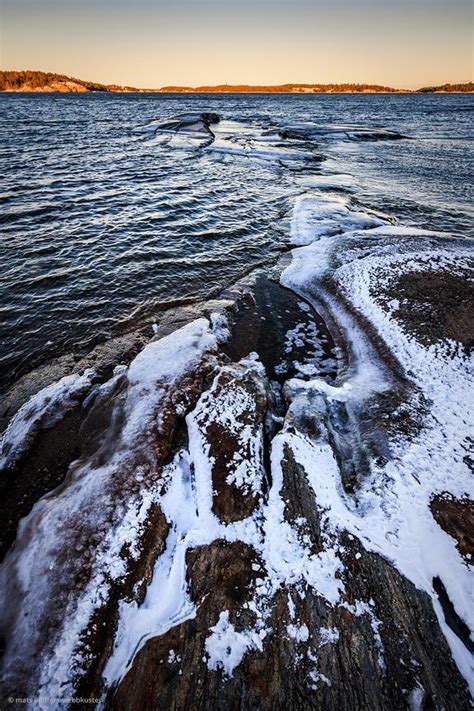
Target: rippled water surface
{"x": 103, "y": 224}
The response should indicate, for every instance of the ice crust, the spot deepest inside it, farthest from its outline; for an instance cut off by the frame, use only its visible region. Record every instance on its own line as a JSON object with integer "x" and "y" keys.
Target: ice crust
{"x": 226, "y": 647}
{"x": 43, "y": 410}
{"x": 91, "y": 506}
{"x": 392, "y": 516}
{"x": 315, "y": 216}
{"x": 284, "y": 143}
{"x": 284, "y": 553}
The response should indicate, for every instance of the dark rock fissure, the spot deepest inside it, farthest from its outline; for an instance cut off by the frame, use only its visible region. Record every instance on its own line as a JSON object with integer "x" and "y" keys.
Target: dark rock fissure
{"x": 452, "y": 618}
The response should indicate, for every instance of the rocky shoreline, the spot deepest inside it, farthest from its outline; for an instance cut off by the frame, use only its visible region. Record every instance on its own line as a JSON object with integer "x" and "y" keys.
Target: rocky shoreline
{"x": 269, "y": 504}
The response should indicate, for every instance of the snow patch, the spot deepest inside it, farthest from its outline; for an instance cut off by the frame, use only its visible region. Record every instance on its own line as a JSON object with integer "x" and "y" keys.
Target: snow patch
{"x": 42, "y": 411}
{"x": 299, "y": 633}
{"x": 226, "y": 647}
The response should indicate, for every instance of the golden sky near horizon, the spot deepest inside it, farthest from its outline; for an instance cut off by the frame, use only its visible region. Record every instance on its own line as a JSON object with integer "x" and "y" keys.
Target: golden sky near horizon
{"x": 152, "y": 43}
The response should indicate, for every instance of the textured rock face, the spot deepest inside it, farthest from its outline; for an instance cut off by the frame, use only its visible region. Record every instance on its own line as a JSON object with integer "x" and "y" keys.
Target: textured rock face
{"x": 366, "y": 653}
{"x": 232, "y": 585}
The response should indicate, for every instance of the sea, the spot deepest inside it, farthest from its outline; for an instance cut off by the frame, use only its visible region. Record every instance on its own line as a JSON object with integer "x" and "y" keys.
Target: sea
{"x": 106, "y": 221}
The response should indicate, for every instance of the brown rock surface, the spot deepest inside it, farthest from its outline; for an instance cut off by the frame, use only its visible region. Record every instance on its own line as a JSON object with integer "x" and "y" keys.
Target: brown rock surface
{"x": 456, "y": 517}
{"x": 234, "y": 443}
{"x": 376, "y": 644}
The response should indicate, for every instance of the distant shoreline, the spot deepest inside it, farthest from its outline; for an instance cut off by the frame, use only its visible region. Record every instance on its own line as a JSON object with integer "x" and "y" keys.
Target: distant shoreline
{"x": 234, "y": 93}
{"x": 44, "y": 82}
{"x": 237, "y": 93}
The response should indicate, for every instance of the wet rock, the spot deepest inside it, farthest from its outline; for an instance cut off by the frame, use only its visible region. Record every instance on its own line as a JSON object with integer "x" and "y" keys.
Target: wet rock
{"x": 265, "y": 314}
{"x": 307, "y": 130}
{"x": 102, "y": 359}
{"x": 190, "y": 123}
{"x": 56, "y": 439}
{"x": 101, "y": 531}
{"x": 44, "y": 468}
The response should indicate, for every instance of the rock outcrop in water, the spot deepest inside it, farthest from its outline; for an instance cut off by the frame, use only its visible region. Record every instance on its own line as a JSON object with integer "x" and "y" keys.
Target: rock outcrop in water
{"x": 189, "y": 123}
{"x": 267, "y": 507}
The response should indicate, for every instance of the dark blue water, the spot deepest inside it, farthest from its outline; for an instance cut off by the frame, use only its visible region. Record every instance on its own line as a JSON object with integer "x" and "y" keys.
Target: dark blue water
{"x": 103, "y": 224}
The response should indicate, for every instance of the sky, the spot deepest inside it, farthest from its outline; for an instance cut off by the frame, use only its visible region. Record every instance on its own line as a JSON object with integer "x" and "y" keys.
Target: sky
{"x": 154, "y": 43}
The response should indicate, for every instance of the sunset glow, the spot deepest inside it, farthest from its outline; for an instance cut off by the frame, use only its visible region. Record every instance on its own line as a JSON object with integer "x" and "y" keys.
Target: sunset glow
{"x": 152, "y": 43}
